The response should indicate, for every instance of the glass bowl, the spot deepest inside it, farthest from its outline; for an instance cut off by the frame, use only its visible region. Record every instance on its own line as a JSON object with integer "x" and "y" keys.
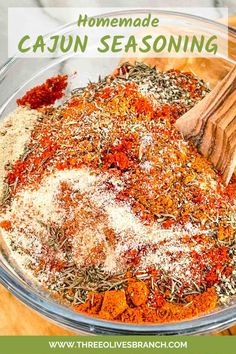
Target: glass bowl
{"x": 16, "y": 76}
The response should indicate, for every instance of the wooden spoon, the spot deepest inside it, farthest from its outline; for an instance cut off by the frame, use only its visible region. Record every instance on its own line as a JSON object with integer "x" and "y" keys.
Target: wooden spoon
{"x": 211, "y": 125}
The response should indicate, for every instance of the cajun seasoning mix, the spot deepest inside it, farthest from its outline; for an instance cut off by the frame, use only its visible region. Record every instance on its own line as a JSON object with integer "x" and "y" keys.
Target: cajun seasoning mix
{"x": 109, "y": 208}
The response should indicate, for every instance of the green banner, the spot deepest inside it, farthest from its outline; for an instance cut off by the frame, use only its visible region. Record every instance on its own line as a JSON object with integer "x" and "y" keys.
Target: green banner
{"x": 118, "y": 344}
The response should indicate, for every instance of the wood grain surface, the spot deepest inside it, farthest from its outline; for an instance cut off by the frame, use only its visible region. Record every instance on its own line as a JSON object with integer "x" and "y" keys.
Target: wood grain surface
{"x": 211, "y": 125}
{"x": 18, "y": 319}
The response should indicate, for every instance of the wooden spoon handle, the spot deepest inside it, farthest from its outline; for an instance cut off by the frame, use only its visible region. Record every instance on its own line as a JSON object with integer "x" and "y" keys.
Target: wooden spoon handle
{"x": 211, "y": 125}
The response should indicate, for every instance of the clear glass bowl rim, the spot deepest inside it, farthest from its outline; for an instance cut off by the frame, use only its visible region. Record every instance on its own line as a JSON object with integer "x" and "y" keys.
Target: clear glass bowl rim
{"x": 79, "y": 322}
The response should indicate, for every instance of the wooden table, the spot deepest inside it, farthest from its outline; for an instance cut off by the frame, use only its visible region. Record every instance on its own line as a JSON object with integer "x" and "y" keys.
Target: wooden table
{"x": 18, "y": 319}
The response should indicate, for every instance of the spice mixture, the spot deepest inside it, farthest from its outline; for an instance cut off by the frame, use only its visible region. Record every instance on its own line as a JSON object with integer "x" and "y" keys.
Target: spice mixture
{"x": 110, "y": 209}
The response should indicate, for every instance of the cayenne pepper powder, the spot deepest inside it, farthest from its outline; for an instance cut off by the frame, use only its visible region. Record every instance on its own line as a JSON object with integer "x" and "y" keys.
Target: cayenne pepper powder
{"x": 45, "y": 94}
{"x": 118, "y": 159}
{"x": 117, "y": 306}
{"x": 6, "y": 225}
